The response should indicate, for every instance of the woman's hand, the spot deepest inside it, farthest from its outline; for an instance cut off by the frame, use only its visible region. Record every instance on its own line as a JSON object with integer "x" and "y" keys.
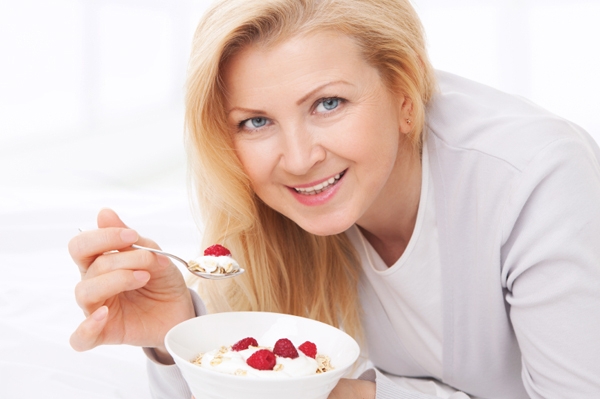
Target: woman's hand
{"x": 128, "y": 296}
{"x": 353, "y": 389}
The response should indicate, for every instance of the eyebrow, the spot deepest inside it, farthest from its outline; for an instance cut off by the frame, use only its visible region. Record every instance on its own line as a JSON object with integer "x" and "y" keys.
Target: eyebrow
{"x": 300, "y": 101}
{"x": 312, "y": 92}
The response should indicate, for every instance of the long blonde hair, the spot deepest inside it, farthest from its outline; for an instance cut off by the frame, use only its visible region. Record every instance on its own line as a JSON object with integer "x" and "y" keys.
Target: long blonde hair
{"x": 288, "y": 269}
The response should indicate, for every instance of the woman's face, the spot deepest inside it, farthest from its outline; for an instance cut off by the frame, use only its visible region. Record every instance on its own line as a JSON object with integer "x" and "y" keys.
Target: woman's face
{"x": 315, "y": 129}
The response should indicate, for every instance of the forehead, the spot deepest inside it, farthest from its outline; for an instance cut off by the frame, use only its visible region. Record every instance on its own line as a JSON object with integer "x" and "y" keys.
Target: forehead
{"x": 294, "y": 65}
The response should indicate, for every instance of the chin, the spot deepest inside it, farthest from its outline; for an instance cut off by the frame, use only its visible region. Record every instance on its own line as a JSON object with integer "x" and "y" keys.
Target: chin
{"x": 325, "y": 227}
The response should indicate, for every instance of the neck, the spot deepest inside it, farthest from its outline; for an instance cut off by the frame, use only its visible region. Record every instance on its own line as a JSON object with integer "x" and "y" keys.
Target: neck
{"x": 389, "y": 223}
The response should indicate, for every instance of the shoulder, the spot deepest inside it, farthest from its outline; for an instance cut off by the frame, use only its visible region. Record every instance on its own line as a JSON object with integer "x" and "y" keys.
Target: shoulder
{"x": 469, "y": 117}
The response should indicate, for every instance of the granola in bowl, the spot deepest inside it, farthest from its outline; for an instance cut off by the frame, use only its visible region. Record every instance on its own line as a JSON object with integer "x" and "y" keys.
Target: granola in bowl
{"x": 247, "y": 358}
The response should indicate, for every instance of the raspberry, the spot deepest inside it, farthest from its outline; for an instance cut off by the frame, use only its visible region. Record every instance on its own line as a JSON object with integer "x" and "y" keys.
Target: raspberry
{"x": 244, "y": 344}
{"x": 285, "y": 348}
{"x": 309, "y": 349}
{"x": 216, "y": 250}
{"x": 262, "y": 359}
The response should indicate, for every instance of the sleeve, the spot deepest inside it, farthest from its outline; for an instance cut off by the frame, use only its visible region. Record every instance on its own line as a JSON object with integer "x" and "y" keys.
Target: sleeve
{"x": 166, "y": 381}
{"x": 551, "y": 268}
{"x": 388, "y": 389}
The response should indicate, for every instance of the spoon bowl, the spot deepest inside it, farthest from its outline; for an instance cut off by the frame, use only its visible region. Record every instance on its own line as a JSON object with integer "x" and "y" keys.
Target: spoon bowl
{"x": 209, "y": 276}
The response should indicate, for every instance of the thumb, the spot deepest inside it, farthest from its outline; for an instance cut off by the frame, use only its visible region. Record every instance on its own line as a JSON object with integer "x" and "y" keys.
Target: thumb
{"x": 109, "y": 218}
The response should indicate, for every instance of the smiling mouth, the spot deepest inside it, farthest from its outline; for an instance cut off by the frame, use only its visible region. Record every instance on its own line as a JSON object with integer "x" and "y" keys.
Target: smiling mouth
{"x": 319, "y": 188}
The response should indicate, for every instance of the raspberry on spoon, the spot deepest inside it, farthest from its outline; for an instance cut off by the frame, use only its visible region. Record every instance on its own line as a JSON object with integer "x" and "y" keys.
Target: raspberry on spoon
{"x": 217, "y": 250}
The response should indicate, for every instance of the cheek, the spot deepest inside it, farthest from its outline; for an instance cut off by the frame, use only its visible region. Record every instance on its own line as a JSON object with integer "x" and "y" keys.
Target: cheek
{"x": 370, "y": 140}
{"x": 256, "y": 159}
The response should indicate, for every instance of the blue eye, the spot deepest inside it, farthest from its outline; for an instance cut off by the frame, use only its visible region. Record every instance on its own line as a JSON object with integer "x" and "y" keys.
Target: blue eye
{"x": 254, "y": 123}
{"x": 331, "y": 103}
{"x": 328, "y": 104}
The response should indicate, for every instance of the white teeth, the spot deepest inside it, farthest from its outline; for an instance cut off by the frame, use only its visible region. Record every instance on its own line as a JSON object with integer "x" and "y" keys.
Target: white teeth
{"x": 316, "y": 189}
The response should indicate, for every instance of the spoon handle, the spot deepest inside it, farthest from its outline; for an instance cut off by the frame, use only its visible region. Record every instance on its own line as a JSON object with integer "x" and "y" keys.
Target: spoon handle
{"x": 161, "y": 253}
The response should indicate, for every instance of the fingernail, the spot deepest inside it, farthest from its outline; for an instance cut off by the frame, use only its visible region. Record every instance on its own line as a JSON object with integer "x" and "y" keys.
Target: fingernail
{"x": 162, "y": 260}
{"x": 129, "y": 236}
{"x": 100, "y": 313}
{"x": 141, "y": 275}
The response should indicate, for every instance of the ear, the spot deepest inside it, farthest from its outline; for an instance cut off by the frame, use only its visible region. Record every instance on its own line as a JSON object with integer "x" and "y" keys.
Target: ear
{"x": 406, "y": 121}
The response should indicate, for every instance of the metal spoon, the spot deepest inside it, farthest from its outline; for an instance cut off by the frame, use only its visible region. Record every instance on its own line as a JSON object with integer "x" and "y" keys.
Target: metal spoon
{"x": 209, "y": 276}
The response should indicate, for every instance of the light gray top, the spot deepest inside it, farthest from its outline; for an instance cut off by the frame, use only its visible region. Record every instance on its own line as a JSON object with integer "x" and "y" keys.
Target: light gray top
{"x": 410, "y": 289}
{"x": 517, "y": 199}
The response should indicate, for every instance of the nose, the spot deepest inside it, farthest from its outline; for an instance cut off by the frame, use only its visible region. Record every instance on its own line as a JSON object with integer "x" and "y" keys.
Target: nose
{"x": 301, "y": 150}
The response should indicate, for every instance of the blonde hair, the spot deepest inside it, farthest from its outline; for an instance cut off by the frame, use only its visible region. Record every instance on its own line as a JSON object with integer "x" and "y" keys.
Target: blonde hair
{"x": 288, "y": 269}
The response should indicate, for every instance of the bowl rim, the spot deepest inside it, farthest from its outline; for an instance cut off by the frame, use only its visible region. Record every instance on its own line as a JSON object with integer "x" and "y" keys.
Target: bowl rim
{"x": 330, "y": 373}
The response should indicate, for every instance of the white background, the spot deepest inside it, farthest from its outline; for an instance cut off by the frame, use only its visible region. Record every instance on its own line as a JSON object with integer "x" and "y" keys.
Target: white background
{"x": 91, "y": 116}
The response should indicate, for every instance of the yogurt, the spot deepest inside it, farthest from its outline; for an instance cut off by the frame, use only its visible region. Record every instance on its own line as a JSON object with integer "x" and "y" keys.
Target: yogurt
{"x": 214, "y": 264}
{"x": 225, "y": 360}
{"x": 289, "y": 362}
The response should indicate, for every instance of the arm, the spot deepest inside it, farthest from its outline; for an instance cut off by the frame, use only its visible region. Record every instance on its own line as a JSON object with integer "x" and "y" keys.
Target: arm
{"x": 551, "y": 268}
{"x": 370, "y": 383}
{"x": 165, "y": 379}
{"x": 376, "y": 385}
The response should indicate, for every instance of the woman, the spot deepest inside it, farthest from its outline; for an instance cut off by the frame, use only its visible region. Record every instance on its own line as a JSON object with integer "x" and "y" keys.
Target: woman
{"x": 454, "y": 231}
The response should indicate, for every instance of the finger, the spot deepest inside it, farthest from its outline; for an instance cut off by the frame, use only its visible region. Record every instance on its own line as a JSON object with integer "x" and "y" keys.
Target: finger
{"x": 109, "y": 218}
{"x": 127, "y": 260}
{"x": 87, "y": 335}
{"x": 85, "y": 247}
{"x": 92, "y": 293}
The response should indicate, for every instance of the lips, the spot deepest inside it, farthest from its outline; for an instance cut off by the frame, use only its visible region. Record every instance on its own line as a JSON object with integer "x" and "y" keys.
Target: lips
{"x": 319, "y": 187}
{"x": 318, "y": 192}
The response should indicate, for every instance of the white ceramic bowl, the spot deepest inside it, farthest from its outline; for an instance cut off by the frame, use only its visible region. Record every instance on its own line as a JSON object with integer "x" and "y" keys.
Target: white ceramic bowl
{"x": 202, "y": 334}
